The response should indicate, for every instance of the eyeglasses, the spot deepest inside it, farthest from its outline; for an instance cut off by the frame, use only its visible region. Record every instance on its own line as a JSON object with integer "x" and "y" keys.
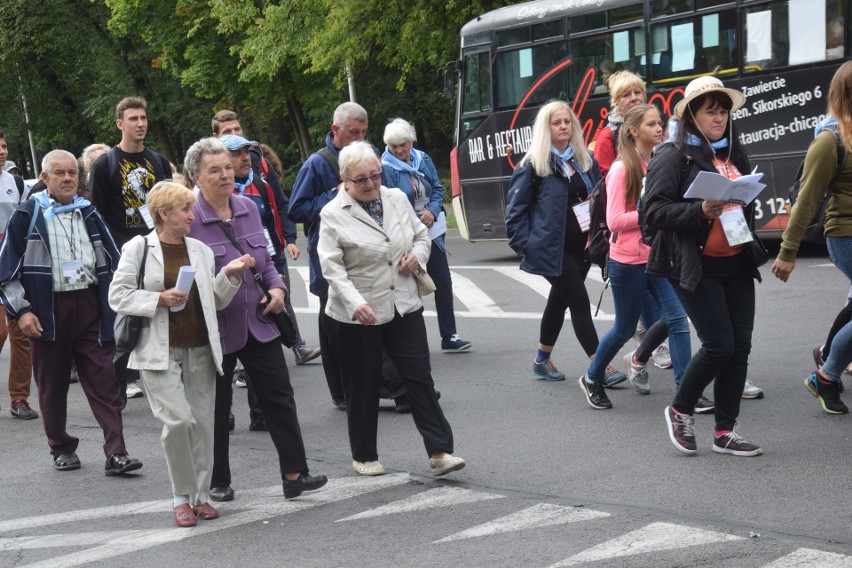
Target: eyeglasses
{"x": 363, "y": 180}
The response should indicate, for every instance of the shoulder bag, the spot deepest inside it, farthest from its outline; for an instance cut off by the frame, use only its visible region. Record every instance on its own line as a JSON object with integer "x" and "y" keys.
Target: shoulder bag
{"x": 289, "y": 335}
{"x": 425, "y": 284}
{"x": 126, "y": 327}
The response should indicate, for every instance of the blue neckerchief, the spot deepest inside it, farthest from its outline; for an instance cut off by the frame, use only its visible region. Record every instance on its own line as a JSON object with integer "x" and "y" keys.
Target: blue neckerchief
{"x": 51, "y": 207}
{"x": 694, "y": 140}
{"x": 564, "y": 157}
{"x": 413, "y": 168}
{"x": 241, "y": 187}
{"x": 829, "y": 121}
{"x": 674, "y": 124}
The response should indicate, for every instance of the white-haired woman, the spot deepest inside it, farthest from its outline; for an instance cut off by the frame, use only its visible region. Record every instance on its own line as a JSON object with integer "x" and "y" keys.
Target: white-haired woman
{"x": 179, "y": 352}
{"x": 557, "y": 174}
{"x": 413, "y": 172}
{"x": 370, "y": 243}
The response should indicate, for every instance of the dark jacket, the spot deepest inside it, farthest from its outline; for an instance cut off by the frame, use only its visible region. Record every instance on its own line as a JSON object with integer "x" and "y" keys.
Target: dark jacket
{"x": 26, "y": 279}
{"x": 315, "y": 186}
{"x": 537, "y": 212}
{"x": 676, "y": 226}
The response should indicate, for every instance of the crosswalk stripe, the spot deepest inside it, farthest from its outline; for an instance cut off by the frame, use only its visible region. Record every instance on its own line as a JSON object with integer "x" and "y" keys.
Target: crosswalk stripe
{"x": 472, "y": 296}
{"x": 809, "y": 557}
{"x": 542, "y": 287}
{"x": 304, "y": 273}
{"x": 651, "y": 538}
{"x": 431, "y": 499}
{"x": 258, "y": 510}
{"x": 540, "y": 515}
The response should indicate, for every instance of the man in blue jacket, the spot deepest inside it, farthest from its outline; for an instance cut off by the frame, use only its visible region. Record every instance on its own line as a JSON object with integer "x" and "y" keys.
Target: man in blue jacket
{"x": 315, "y": 185}
{"x": 56, "y": 264}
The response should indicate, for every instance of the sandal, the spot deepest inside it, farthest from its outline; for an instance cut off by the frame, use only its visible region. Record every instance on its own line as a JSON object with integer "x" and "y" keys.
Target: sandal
{"x": 66, "y": 462}
{"x": 368, "y": 468}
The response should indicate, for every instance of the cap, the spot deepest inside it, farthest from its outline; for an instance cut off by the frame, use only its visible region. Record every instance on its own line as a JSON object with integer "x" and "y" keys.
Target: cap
{"x": 233, "y": 142}
{"x": 9, "y": 165}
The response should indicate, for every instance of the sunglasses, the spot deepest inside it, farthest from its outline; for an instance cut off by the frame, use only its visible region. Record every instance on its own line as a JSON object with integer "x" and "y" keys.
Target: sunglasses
{"x": 363, "y": 180}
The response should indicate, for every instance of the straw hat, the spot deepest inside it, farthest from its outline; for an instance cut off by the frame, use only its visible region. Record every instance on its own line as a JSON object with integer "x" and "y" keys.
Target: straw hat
{"x": 704, "y": 85}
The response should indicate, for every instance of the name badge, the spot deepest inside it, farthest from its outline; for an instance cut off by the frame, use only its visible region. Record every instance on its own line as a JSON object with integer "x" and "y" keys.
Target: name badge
{"x": 735, "y": 226}
{"x": 73, "y": 274}
{"x": 146, "y": 216}
{"x": 581, "y": 212}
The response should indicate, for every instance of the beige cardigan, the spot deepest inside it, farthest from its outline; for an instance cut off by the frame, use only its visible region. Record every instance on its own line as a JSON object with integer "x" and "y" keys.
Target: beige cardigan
{"x": 152, "y": 351}
{"x": 360, "y": 260}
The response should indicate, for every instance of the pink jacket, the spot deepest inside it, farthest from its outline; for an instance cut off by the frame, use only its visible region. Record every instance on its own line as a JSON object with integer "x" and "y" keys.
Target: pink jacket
{"x": 626, "y": 244}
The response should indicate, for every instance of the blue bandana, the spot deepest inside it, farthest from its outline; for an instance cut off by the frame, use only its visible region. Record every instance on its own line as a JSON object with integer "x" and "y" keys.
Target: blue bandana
{"x": 829, "y": 121}
{"x": 694, "y": 140}
{"x": 564, "y": 157}
{"x": 241, "y": 187}
{"x": 413, "y": 168}
{"x": 51, "y": 207}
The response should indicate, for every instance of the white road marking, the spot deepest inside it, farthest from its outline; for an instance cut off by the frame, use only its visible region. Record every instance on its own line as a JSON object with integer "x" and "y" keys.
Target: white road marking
{"x": 540, "y": 515}
{"x": 541, "y": 286}
{"x": 473, "y": 297}
{"x": 810, "y": 558}
{"x": 304, "y": 273}
{"x": 651, "y": 538}
{"x": 431, "y": 499}
{"x": 259, "y": 509}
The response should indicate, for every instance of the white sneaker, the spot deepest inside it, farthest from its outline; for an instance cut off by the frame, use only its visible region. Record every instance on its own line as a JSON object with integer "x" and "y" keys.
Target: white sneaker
{"x": 133, "y": 390}
{"x": 661, "y": 356}
{"x": 751, "y": 390}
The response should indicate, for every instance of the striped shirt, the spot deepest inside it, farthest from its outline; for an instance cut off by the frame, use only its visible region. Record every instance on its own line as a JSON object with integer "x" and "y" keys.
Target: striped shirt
{"x": 71, "y": 253}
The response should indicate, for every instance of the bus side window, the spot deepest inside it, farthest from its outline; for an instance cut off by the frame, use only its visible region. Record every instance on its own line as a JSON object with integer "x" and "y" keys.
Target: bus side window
{"x": 705, "y": 43}
{"x": 477, "y": 82}
{"x": 793, "y": 32}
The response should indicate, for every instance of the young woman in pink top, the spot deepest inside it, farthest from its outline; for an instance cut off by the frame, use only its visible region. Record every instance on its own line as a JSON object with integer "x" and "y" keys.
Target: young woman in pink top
{"x": 632, "y": 288}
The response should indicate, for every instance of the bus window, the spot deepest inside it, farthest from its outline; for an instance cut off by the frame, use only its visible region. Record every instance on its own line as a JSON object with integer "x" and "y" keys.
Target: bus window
{"x": 518, "y": 69}
{"x": 670, "y": 7}
{"x": 608, "y": 52}
{"x": 793, "y": 32}
{"x": 477, "y": 83}
{"x": 706, "y": 43}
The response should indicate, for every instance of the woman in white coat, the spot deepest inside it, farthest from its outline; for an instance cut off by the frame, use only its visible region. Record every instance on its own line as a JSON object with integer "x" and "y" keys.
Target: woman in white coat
{"x": 370, "y": 243}
{"x": 179, "y": 352}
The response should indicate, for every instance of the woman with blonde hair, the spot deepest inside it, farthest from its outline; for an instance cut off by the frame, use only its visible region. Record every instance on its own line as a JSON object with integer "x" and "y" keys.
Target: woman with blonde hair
{"x": 626, "y": 91}
{"x": 554, "y": 177}
{"x": 179, "y": 352}
{"x": 822, "y": 173}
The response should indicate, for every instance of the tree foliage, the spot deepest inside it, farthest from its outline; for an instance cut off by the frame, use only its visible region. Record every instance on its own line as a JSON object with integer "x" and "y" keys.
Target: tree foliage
{"x": 281, "y": 64}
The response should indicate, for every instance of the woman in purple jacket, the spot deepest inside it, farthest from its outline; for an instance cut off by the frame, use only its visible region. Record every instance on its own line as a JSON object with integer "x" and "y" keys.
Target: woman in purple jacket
{"x": 246, "y": 327}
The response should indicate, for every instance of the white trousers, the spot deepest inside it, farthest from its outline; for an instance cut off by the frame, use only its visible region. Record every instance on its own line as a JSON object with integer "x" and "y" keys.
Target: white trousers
{"x": 182, "y": 398}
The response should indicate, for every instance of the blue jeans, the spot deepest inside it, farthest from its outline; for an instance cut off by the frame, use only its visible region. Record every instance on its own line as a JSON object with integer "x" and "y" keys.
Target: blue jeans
{"x": 635, "y": 292}
{"x": 840, "y": 354}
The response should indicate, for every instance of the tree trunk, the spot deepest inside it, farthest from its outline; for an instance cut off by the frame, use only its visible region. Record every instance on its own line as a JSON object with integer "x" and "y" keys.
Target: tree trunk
{"x": 300, "y": 126}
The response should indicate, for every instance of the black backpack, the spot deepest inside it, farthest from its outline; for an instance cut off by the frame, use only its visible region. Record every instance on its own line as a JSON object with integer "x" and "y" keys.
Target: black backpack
{"x": 597, "y": 250}
{"x": 815, "y": 231}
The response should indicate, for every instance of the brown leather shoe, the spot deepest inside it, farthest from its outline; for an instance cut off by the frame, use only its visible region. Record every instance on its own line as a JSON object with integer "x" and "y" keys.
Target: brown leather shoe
{"x": 205, "y": 511}
{"x": 184, "y": 517}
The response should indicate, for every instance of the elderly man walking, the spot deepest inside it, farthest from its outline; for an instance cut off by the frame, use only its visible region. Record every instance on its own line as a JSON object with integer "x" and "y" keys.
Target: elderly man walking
{"x": 56, "y": 264}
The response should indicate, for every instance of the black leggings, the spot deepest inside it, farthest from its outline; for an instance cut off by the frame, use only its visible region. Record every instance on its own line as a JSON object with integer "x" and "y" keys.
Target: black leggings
{"x": 568, "y": 292}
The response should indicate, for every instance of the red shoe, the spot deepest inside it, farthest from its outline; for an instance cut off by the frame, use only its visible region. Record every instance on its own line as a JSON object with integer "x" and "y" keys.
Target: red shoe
{"x": 205, "y": 511}
{"x": 184, "y": 517}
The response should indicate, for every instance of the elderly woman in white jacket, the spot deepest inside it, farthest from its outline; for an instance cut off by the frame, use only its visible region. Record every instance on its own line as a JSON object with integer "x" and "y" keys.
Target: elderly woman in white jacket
{"x": 179, "y": 352}
{"x": 370, "y": 243}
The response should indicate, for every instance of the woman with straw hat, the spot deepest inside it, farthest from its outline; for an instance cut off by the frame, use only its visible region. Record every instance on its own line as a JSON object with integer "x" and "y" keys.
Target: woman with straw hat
{"x": 696, "y": 244}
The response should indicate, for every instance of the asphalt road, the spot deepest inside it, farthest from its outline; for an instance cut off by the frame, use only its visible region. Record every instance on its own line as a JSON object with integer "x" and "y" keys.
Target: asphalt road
{"x": 549, "y": 481}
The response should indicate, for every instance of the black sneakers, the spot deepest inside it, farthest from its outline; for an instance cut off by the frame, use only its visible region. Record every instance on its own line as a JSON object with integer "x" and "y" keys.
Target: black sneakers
{"x": 681, "y": 430}
{"x": 828, "y": 393}
{"x": 704, "y": 405}
{"x": 732, "y": 443}
{"x": 595, "y": 394}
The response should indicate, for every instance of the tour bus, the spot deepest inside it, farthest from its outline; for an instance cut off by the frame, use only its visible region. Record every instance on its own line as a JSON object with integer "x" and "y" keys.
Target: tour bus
{"x": 780, "y": 53}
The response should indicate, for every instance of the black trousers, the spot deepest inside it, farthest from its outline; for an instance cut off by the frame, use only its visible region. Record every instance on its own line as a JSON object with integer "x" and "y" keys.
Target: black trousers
{"x": 330, "y": 363}
{"x": 722, "y": 310}
{"x": 359, "y": 348}
{"x": 265, "y": 363}
{"x": 568, "y": 292}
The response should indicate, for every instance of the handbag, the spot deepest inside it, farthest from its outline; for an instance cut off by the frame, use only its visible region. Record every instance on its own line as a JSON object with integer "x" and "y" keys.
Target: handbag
{"x": 758, "y": 252}
{"x": 425, "y": 284}
{"x": 288, "y": 334}
{"x": 127, "y": 328}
